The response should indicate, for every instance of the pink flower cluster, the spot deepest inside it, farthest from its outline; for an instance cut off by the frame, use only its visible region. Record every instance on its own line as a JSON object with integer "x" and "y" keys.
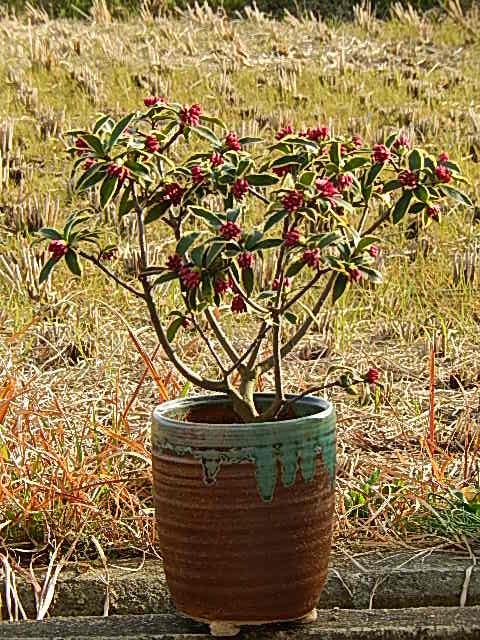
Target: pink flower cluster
{"x": 344, "y": 181}
{"x": 238, "y": 304}
{"x": 380, "y": 154}
{"x": 326, "y": 189}
{"x": 287, "y": 283}
{"x": 284, "y": 131}
{"x": 120, "y": 172}
{"x": 240, "y": 188}
{"x": 316, "y": 133}
{"x": 245, "y": 260}
{"x": 151, "y": 101}
{"x": 292, "y": 200}
{"x": 373, "y": 250}
{"x": 151, "y": 144}
{"x": 232, "y": 141}
{"x": 197, "y": 174}
{"x": 402, "y": 142}
{"x": 174, "y": 262}
{"x": 216, "y": 159}
{"x": 372, "y": 375}
{"x": 172, "y": 193}
{"x": 57, "y": 248}
{"x": 190, "y": 116}
{"x": 282, "y": 171}
{"x": 81, "y": 146}
{"x": 311, "y": 257}
{"x": 291, "y": 238}
{"x": 189, "y": 277}
{"x": 230, "y": 231}
{"x": 408, "y": 178}
{"x": 443, "y": 174}
{"x": 89, "y": 162}
{"x": 354, "y": 274}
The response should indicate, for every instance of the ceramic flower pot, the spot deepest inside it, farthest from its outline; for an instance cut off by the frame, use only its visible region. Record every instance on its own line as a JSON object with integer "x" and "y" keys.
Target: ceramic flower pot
{"x": 244, "y": 511}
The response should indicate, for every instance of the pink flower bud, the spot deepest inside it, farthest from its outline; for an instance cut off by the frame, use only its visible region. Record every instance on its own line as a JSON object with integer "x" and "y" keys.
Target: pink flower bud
{"x": 240, "y": 188}
{"x": 380, "y": 154}
{"x": 151, "y": 101}
{"x": 230, "y": 231}
{"x": 344, "y": 181}
{"x": 373, "y": 250}
{"x": 357, "y": 141}
{"x": 232, "y": 141}
{"x": 291, "y": 238}
{"x": 402, "y": 143}
{"x": 354, "y": 274}
{"x": 372, "y": 375}
{"x": 292, "y": 200}
{"x": 311, "y": 257}
{"x": 238, "y": 305}
{"x": 190, "y": 116}
{"x": 151, "y": 144}
{"x": 284, "y": 131}
{"x": 408, "y": 178}
{"x": 172, "y": 193}
{"x": 174, "y": 262}
{"x": 189, "y": 278}
{"x": 197, "y": 175}
{"x": 443, "y": 174}
{"x": 216, "y": 159}
{"x": 58, "y": 248}
{"x": 443, "y": 157}
{"x": 245, "y": 260}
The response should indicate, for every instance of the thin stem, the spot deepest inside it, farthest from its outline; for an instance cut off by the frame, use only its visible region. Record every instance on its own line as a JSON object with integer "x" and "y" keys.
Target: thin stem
{"x": 277, "y": 361}
{"x": 110, "y": 274}
{"x": 304, "y": 290}
{"x": 258, "y": 195}
{"x": 252, "y": 348}
{"x": 210, "y": 347}
{"x": 141, "y": 231}
{"x": 221, "y": 337}
{"x": 377, "y": 223}
{"x": 268, "y": 363}
{"x": 363, "y": 218}
{"x": 255, "y": 346}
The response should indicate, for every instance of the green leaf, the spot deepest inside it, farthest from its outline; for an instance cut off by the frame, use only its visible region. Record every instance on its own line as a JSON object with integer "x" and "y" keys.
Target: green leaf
{"x": 391, "y": 185}
{"x": 197, "y": 255}
{"x": 372, "y": 274}
{"x": 207, "y": 215}
{"x": 355, "y": 163}
{"x": 373, "y": 173}
{"x": 415, "y": 160}
{"x": 274, "y": 218}
{"x": 156, "y": 212}
{"x": 365, "y": 242}
{"x": 335, "y": 153}
{"x": 47, "y": 267}
{"x": 290, "y": 317}
{"x": 101, "y": 122}
{"x": 295, "y": 268}
{"x": 213, "y": 120}
{"x": 94, "y": 143}
{"x": 166, "y": 277}
{"x": 138, "y": 169}
{"x": 213, "y": 252}
{"x": 207, "y": 134}
{"x": 421, "y": 193}
{"x": 107, "y": 190}
{"x": 126, "y": 203}
{"x": 307, "y": 178}
{"x": 185, "y": 243}
{"x": 285, "y": 161}
{"x": 207, "y": 289}
{"x": 455, "y": 194}
{"x": 252, "y": 239}
{"x": 417, "y": 207}
{"x": 401, "y": 207}
{"x": 339, "y": 287}
{"x": 261, "y": 179}
{"x": 248, "y": 280}
{"x": 72, "y": 262}
{"x": 232, "y": 214}
{"x": 269, "y": 243}
{"x": 247, "y": 140}
{"x": 119, "y": 128}
{"x": 51, "y": 234}
{"x": 91, "y": 177}
{"x": 327, "y": 239}
{"x": 173, "y": 327}
{"x": 242, "y": 166}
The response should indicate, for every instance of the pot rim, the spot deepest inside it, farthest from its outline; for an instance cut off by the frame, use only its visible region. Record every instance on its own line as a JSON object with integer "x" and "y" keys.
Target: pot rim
{"x": 161, "y": 411}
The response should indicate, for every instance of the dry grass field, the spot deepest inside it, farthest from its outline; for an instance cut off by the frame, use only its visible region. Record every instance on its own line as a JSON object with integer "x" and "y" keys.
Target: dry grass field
{"x": 75, "y": 399}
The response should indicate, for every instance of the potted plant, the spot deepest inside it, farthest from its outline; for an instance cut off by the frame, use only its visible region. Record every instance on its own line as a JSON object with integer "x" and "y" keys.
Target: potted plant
{"x": 244, "y": 482}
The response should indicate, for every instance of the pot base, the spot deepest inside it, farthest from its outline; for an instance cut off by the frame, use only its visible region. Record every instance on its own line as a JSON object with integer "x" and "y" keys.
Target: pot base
{"x": 229, "y": 628}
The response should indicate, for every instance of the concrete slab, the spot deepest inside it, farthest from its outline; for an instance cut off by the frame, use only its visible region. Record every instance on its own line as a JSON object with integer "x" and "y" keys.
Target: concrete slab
{"x": 378, "y": 580}
{"x": 442, "y": 623}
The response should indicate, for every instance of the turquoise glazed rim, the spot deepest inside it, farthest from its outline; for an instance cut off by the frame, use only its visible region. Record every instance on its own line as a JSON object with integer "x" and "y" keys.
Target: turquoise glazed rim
{"x": 294, "y": 442}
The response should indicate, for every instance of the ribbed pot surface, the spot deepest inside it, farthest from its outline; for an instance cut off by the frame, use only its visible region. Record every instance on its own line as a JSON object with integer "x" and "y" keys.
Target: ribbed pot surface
{"x": 228, "y": 553}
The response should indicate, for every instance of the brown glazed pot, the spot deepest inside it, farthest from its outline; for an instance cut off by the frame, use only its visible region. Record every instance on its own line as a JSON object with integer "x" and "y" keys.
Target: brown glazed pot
{"x": 244, "y": 511}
